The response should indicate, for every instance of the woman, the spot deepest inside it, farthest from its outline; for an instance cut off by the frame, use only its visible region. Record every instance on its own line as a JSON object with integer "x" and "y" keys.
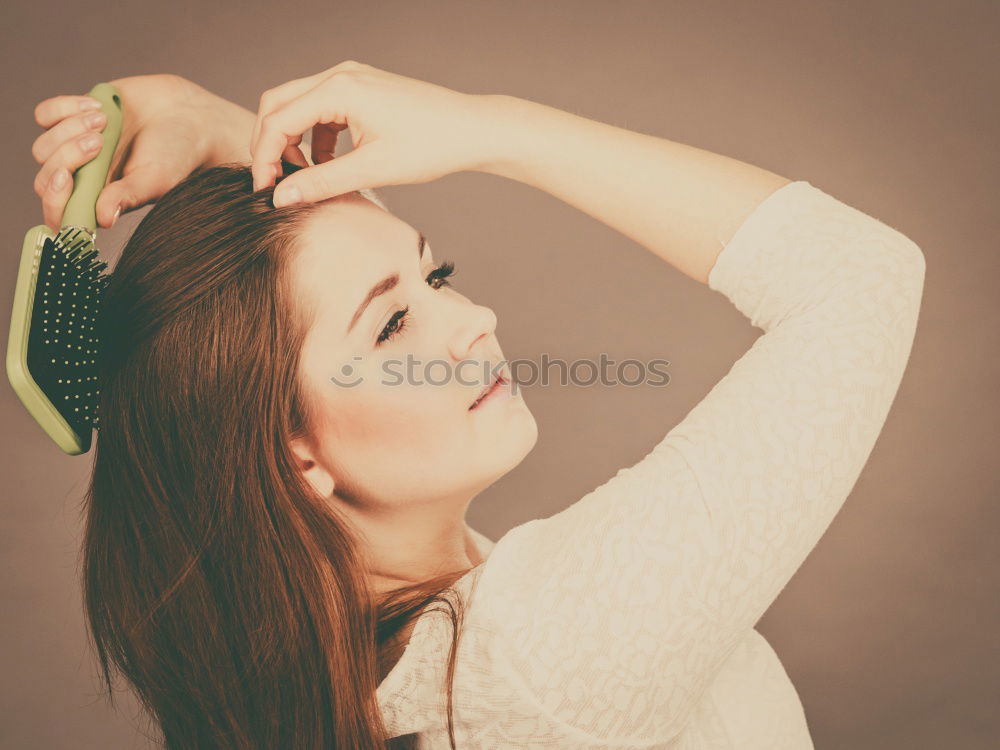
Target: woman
{"x": 275, "y": 561}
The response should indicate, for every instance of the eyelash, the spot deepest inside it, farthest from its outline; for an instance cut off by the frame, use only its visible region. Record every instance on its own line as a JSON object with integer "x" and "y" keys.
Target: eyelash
{"x": 400, "y": 319}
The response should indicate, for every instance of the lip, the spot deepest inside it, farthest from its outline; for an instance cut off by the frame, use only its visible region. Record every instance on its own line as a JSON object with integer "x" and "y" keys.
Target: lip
{"x": 498, "y": 383}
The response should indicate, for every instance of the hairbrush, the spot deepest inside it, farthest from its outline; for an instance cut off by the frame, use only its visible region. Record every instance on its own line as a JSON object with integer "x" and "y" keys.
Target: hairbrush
{"x": 53, "y": 346}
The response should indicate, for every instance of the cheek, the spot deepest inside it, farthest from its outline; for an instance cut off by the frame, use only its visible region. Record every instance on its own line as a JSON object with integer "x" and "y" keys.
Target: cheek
{"x": 376, "y": 426}
{"x": 402, "y": 420}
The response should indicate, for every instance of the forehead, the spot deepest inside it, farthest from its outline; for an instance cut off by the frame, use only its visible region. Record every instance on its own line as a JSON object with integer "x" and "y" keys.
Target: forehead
{"x": 346, "y": 247}
{"x": 349, "y": 229}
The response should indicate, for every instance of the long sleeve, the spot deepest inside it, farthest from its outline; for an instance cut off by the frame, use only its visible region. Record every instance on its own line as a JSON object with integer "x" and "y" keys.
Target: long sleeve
{"x": 613, "y": 615}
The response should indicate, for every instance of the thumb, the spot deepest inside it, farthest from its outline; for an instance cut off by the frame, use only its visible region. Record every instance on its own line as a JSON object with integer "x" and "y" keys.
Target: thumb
{"x": 132, "y": 191}
{"x": 354, "y": 170}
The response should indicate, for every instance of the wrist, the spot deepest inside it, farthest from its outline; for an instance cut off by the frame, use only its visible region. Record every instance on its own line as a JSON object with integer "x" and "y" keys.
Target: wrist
{"x": 227, "y": 128}
{"x": 514, "y": 135}
{"x": 494, "y": 143}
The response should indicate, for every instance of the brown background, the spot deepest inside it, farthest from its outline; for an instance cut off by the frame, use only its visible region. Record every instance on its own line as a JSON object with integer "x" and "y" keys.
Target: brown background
{"x": 888, "y": 630}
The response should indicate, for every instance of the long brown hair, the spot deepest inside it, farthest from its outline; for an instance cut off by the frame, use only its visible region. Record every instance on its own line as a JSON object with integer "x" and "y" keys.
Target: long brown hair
{"x": 229, "y": 595}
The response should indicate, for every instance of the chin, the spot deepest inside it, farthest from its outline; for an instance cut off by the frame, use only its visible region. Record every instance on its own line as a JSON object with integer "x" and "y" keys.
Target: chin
{"x": 524, "y": 441}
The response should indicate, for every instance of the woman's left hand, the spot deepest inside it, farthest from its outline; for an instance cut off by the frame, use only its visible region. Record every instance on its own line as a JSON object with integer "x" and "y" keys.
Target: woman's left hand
{"x": 403, "y": 131}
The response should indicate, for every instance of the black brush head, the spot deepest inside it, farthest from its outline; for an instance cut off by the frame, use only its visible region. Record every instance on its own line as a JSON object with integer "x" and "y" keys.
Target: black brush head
{"x": 63, "y": 346}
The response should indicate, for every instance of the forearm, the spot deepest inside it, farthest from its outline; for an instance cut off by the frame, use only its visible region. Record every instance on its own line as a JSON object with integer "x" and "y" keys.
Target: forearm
{"x": 230, "y": 126}
{"x": 678, "y": 201}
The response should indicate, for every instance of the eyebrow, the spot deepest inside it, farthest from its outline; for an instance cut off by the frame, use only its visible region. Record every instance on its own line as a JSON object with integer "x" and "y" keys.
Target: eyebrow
{"x": 385, "y": 285}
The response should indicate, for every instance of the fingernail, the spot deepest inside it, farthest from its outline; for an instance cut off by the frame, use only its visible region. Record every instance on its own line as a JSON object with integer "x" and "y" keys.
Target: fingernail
{"x": 287, "y": 196}
{"x": 94, "y": 120}
{"x": 117, "y": 214}
{"x": 86, "y": 104}
{"x": 59, "y": 179}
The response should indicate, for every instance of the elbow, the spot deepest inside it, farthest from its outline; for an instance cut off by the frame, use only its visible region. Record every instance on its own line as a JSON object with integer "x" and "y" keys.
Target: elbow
{"x": 883, "y": 296}
{"x": 901, "y": 266}
{"x": 902, "y": 290}
{"x": 916, "y": 266}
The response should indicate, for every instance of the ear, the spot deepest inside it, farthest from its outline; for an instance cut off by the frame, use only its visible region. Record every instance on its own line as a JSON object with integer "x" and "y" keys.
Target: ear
{"x": 308, "y": 462}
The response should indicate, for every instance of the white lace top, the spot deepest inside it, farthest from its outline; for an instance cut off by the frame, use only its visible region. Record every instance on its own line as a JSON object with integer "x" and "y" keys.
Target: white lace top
{"x": 627, "y": 619}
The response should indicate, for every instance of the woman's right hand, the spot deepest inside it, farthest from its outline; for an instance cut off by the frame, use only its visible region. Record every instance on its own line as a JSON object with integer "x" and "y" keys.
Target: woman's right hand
{"x": 167, "y": 132}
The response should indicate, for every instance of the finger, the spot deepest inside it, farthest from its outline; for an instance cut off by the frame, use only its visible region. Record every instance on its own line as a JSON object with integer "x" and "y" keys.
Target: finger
{"x": 293, "y": 152}
{"x": 71, "y": 155}
{"x": 318, "y": 105}
{"x": 280, "y": 95}
{"x": 50, "y": 111}
{"x": 72, "y": 127}
{"x": 294, "y": 155}
{"x": 324, "y": 142}
{"x": 55, "y": 181}
{"x": 270, "y": 101}
{"x": 54, "y": 198}
{"x": 134, "y": 190}
{"x": 354, "y": 170}
{"x": 276, "y": 97}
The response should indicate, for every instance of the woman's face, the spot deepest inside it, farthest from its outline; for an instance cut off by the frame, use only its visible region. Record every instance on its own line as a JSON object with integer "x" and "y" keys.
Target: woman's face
{"x": 392, "y": 429}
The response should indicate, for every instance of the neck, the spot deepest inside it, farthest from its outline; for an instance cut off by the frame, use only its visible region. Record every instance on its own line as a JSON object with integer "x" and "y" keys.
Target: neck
{"x": 406, "y": 546}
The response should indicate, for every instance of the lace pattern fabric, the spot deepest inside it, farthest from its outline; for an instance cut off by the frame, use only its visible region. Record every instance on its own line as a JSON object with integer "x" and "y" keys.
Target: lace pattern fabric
{"x": 627, "y": 619}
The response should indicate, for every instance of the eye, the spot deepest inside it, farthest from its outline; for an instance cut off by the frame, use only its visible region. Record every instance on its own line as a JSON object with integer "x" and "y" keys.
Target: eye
{"x": 441, "y": 274}
{"x": 399, "y": 321}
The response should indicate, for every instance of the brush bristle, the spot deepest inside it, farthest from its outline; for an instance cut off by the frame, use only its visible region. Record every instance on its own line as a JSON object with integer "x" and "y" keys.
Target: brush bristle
{"x": 63, "y": 344}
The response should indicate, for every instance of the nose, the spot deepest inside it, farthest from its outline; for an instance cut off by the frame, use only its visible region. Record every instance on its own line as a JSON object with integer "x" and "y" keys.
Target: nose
{"x": 476, "y": 322}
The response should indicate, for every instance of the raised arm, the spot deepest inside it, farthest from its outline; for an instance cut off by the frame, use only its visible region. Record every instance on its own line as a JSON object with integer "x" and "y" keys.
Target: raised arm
{"x": 679, "y": 202}
{"x": 230, "y": 126}
{"x": 613, "y": 616}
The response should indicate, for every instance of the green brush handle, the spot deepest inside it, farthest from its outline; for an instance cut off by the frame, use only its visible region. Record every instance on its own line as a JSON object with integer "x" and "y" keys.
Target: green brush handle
{"x": 89, "y": 180}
